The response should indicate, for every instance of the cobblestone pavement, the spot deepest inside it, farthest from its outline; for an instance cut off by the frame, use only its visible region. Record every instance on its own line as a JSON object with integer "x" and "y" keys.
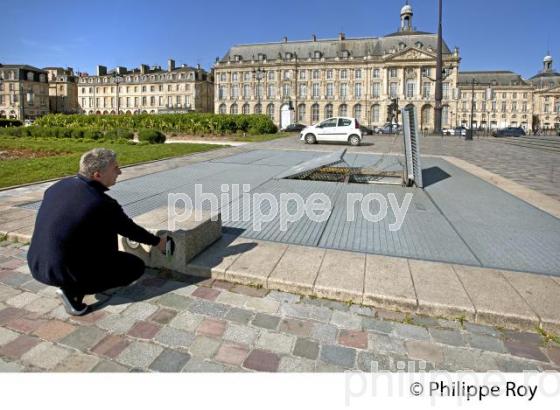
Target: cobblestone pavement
{"x": 162, "y": 325}
{"x": 537, "y": 169}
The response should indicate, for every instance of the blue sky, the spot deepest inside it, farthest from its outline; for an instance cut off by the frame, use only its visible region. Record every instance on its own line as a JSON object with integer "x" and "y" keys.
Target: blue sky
{"x": 491, "y": 34}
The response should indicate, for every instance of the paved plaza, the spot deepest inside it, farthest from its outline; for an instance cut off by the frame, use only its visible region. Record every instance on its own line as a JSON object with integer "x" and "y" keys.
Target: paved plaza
{"x": 217, "y": 325}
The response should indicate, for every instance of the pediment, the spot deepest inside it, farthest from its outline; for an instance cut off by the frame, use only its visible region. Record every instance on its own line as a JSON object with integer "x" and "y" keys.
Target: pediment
{"x": 410, "y": 54}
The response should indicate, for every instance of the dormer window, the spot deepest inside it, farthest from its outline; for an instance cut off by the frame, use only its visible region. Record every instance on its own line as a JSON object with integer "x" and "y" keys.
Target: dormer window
{"x": 288, "y": 56}
{"x": 237, "y": 58}
{"x": 317, "y": 54}
{"x": 29, "y": 76}
{"x": 262, "y": 57}
{"x": 345, "y": 54}
{"x": 402, "y": 45}
{"x": 419, "y": 44}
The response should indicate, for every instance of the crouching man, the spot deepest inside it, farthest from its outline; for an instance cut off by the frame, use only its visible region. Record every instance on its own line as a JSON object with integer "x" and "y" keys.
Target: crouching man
{"x": 74, "y": 245}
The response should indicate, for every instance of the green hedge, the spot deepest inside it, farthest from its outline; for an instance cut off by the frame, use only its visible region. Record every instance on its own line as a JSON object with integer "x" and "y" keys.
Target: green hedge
{"x": 192, "y": 123}
{"x": 8, "y": 122}
{"x": 151, "y": 136}
{"x": 61, "y": 132}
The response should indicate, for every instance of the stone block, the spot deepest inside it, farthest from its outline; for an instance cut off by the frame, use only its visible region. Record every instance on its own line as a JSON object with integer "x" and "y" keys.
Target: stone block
{"x": 504, "y": 308}
{"x": 190, "y": 238}
{"x": 439, "y": 291}
{"x": 341, "y": 276}
{"x": 388, "y": 283}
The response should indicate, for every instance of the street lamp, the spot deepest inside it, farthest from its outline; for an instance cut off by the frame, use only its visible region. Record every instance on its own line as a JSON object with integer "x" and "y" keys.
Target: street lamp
{"x": 258, "y": 74}
{"x": 117, "y": 79}
{"x": 488, "y": 93}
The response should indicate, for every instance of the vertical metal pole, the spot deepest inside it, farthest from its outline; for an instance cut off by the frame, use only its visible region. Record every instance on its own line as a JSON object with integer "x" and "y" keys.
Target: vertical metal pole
{"x": 439, "y": 68}
{"x": 470, "y": 134}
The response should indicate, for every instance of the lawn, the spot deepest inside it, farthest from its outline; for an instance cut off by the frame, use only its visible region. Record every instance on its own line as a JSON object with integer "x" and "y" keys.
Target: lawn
{"x": 26, "y": 160}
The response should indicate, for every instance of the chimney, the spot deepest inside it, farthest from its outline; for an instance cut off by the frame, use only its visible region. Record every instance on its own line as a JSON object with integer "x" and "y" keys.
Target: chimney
{"x": 101, "y": 70}
{"x": 341, "y": 36}
{"x": 144, "y": 68}
{"x": 170, "y": 65}
{"x": 314, "y": 37}
{"x": 285, "y": 39}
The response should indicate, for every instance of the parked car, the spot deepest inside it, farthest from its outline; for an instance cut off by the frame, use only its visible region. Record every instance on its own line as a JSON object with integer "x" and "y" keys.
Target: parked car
{"x": 366, "y": 130}
{"x": 294, "y": 128}
{"x": 389, "y": 129}
{"x": 460, "y": 131}
{"x": 342, "y": 129}
{"x": 448, "y": 131}
{"x": 509, "y": 132}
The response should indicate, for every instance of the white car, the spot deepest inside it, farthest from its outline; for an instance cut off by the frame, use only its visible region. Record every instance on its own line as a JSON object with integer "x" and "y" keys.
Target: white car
{"x": 342, "y": 129}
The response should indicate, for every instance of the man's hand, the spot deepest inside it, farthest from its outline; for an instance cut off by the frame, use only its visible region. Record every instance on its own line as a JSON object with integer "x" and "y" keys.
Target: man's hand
{"x": 161, "y": 244}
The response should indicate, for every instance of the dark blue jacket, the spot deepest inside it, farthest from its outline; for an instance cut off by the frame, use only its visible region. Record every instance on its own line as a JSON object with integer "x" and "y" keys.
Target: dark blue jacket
{"x": 76, "y": 232}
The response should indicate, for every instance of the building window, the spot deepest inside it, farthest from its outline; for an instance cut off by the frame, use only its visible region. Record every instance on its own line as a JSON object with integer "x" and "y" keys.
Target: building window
{"x": 315, "y": 113}
{"x": 375, "y": 113}
{"x": 221, "y": 92}
{"x": 287, "y": 74}
{"x": 503, "y": 106}
{"x": 234, "y": 91}
{"x": 426, "y": 71}
{"x": 357, "y": 112}
{"x": 315, "y": 90}
{"x": 483, "y": 108}
{"x": 315, "y": 74}
{"x": 343, "y": 90}
{"x": 301, "y": 113}
{"x": 525, "y": 95}
{"x": 258, "y": 109}
{"x": 233, "y": 109}
{"x": 358, "y": 90}
{"x": 546, "y": 108}
{"x": 259, "y": 90}
{"x": 343, "y": 110}
{"x": 222, "y": 109}
{"x": 410, "y": 88}
{"x": 445, "y": 90}
{"x": 392, "y": 72}
{"x": 271, "y": 76}
{"x": 330, "y": 90}
{"x": 271, "y": 91}
{"x": 504, "y": 95}
{"x": 246, "y": 76}
{"x": 303, "y": 90}
{"x": 286, "y": 90}
{"x": 514, "y": 106}
{"x": 329, "y": 74}
{"x": 245, "y": 109}
{"x": 343, "y": 74}
{"x": 270, "y": 111}
{"x": 152, "y": 101}
{"x": 494, "y": 106}
{"x": 524, "y": 107}
{"x": 328, "y": 111}
{"x": 302, "y": 75}
{"x": 375, "y": 90}
{"x": 358, "y": 74}
{"x": 376, "y": 73}
{"x": 234, "y": 77}
{"x": 246, "y": 91}
{"x": 393, "y": 90}
{"x": 426, "y": 89}
{"x": 445, "y": 116}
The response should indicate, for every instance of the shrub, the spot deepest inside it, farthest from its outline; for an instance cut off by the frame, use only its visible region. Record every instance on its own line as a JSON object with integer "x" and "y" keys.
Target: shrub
{"x": 77, "y": 133}
{"x": 151, "y": 136}
{"x": 117, "y": 133}
{"x": 8, "y": 122}
{"x": 93, "y": 134}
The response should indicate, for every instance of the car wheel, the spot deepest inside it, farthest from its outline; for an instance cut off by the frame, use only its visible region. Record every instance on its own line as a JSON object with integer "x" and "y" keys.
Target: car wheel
{"x": 310, "y": 139}
{"x": 354, "y": 140}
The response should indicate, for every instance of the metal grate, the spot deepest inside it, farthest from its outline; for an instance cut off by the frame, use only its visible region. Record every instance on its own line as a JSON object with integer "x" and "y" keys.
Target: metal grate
{"x": 413, "y": 169}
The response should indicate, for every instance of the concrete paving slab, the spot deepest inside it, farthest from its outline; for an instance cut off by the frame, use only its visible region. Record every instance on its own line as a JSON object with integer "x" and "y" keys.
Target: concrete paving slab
{"x": 495, "y": 300}
{"x": 439, "y": 291}
{"x": 297, "y": 270}
{"x": 341, "y": 276}
{"x": 542, "y": 294}
{"x": 214, "y": 261}
{"x": 388, "y": 283}
{"x": 255, "y": 265}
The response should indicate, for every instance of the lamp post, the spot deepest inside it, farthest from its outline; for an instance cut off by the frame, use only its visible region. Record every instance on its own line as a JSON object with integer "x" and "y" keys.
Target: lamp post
{"x": 439, "y": 79}
{"x": 443, "y": 74}
{"x": 117, "y": 78}
{"x": 258, "y": 74}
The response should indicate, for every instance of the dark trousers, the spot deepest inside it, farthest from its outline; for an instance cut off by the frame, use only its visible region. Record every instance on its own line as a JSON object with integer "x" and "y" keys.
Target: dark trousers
{"x": 121, "y": 271}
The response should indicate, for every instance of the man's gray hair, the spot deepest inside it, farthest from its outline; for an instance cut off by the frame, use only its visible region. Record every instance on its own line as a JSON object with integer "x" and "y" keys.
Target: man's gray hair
{"x": 96, "y": 160}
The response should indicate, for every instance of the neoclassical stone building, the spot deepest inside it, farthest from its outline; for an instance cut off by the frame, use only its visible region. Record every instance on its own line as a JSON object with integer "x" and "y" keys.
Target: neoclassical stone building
{"x": 308, "y": 81}
{"x": 146, "y": 90}
{"x": 501, "y": 99}
{"x": 24, "y": 92}
{"x": 546, "y": 112}
{"x": 63, "y": 90}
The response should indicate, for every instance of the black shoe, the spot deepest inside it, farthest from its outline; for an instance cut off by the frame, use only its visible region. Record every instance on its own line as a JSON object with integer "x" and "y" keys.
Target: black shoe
{"x": 72, "y": 304}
